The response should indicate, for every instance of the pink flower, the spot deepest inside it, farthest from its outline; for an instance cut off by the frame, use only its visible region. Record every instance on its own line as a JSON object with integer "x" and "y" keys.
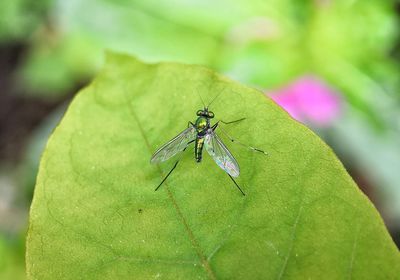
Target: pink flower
{"x": 309, "y": 99}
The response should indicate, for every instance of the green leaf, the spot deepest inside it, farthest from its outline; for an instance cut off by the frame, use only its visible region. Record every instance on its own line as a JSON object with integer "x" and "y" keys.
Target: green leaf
{"x": 95, "y": 214}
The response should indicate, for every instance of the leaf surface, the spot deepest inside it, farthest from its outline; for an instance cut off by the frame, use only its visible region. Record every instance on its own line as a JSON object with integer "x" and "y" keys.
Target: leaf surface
{"x": 95, "y": 214}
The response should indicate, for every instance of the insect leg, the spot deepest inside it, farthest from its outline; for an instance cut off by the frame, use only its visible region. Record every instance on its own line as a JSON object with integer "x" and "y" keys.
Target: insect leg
{"x": 190, "y": 124}
{"x": 216, "y": 124}
{"x": 169, "y": 173}
{"x": 240, "y": 143}
{"x": 236, "y": 184}
{"x": 176, "y": 163}
{"x": 239, "y": 120}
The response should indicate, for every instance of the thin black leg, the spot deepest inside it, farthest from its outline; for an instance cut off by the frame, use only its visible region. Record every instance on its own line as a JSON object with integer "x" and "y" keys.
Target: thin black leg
{"x": 240, "y": 143}
{"x": 214, "y": 127}
{"x": 176, "y": 163}
{"x": 236, "y": 185}
{"x": 239, "y": 120}
{"x": 169, "y": 173}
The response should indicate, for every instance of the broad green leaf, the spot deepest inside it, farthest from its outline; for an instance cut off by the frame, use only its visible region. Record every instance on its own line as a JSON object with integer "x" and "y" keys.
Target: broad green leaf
{"x": 95, "y": 214}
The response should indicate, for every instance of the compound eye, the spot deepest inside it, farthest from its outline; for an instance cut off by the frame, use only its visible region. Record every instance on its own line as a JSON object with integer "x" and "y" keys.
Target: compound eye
{"x": 199, "y": 113}
{"x": 210, "y": 115}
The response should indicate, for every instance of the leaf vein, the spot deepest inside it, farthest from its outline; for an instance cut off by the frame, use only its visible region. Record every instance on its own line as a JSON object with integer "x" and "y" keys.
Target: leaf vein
{"x": 292, "y": 239}
{"x": 353, "y": 250}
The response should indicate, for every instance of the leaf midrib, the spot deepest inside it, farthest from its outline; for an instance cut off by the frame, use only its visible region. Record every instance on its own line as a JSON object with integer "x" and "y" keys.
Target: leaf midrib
{"x": 196, "y": 245}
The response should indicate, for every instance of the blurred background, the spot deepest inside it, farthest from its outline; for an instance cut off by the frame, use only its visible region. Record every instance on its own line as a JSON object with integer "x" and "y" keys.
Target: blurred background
{"x": 333, "y": 65}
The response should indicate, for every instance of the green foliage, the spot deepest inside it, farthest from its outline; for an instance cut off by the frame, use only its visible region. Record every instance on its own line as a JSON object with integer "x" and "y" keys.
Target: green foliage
{"x": 19, "y": 18}
{"x": 95, "y": 214}
{"x": 11, "y": 258}
{"x": 264, "y": 43}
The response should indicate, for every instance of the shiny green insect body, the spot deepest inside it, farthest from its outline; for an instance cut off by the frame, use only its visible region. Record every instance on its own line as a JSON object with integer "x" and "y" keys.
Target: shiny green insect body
{"x": 202, "y": 126}
{"x": 202, "y": 133}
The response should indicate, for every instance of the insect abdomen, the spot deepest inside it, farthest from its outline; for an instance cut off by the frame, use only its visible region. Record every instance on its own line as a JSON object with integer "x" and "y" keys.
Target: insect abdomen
{"x": 198, "y": 151}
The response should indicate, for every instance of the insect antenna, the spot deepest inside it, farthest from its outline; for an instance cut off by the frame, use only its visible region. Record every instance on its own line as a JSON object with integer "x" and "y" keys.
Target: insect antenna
{"x": 214, "y": 98}
{"x": 201, "y": 98}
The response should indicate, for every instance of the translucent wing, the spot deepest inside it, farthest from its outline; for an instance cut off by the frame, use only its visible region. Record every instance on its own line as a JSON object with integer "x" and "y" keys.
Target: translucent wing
{"x": 174, "y": 146}
{"x": 220, "y": 153}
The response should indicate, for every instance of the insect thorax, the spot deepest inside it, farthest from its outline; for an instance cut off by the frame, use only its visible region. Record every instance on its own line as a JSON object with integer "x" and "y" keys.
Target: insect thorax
{"x": 201, "y": 124}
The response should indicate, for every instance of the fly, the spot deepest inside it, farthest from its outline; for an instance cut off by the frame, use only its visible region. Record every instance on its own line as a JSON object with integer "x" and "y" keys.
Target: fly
{"x": 203, "y": 135}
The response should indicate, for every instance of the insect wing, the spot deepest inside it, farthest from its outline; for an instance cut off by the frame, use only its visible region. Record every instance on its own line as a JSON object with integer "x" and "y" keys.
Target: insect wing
{"x": 220, "y": 153}
{"x": 175, "y": 145}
